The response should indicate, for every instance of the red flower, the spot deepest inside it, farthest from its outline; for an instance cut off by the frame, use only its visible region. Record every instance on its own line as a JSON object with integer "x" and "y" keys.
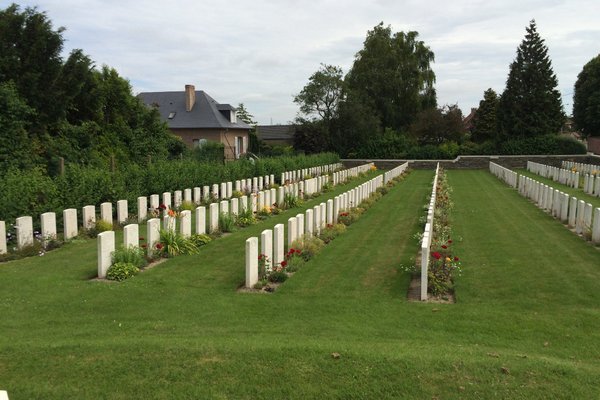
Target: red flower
{"x": 436, "y": 255}
{"x": 159, "y": 246}
{"x": 162, "y": 207}
{"x": 141, "y": 238}
{"x": 455, "y": 258}
{"x": 144, "y": 246}
{"x": 444, "y": 246}
{"x": 283, "y": 264}
{"x": 449, "y": 241}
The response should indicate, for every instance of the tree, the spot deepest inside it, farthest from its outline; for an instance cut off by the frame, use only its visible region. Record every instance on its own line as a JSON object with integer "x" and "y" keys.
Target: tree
{"x": 531, "y": 104}
{"x": 586, "y": 99}
{"x": 392, "y": 73}
{"x": 30, "y": 57}
{"x": 322, "y": 93}
{"x": 435, "y": 126}
{"x": 16, "y": 150}
{"x": 244, "y": 115}
{"x": 485, "y": 122}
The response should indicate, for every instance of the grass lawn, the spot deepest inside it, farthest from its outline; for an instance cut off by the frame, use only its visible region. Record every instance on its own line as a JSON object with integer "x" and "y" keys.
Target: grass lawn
{"x": 527, "y": 302}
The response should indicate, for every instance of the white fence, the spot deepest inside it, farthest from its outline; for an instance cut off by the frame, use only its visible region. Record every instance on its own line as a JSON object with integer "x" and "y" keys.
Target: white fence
{"x": 428, "y": 236}
{"x": 576, "y": 214}
{"x": 272, "y": 241}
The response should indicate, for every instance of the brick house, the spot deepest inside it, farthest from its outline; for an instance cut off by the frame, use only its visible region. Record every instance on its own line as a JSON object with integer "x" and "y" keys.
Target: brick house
{"x": 196, "y": 118}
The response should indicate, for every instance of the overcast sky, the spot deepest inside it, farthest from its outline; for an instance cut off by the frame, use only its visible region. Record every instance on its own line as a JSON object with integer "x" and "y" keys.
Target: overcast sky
{"x": 262, "y": 52}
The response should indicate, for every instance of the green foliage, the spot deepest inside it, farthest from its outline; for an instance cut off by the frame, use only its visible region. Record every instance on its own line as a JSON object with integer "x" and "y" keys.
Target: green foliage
{"x": 322, "y": 94}
{"x": 531, "y": 104}
{"x": 586, "y": 99}
{"x": 99, "y": 226}
{"x": 309, "y": 246}
{"x": 330, "y": 232}
{"x": 130, "y": 255}
{"x": 278, "y": 276}
{"x": 17, "y": 150}
{"x": 210, "y": 152}
{"x": 172, "y": 244}
{"x": 200, "y": 239}
{"x": 187, "y": 205}
{"x": 392, "y": 74}
{"x": 27, "y": 193}
{"x": 245, "y": 218}
{"x": 226, "y": 222}
{"x": 546, "y": 144}
{"x": 290, "y": 201}
{"x": 121, "y": 271}
{"x": 485, "y": 122}
{"x": 438, "y": 125}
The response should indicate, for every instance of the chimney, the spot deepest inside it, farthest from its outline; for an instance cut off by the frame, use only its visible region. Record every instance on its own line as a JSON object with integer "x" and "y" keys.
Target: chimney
{"x": 190, "y": 97}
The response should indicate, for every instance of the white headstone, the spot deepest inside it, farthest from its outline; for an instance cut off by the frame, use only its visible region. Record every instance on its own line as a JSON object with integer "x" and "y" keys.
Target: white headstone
{"x": 131, "y": 235}
{"x": 266, "y": 247}
{"x": 152, "y": 234}
{"x": 234, "y": 206}
{"x": 278, "y": 244}
{"x": 229, "y": 189}
{"x": 309, "y": 222}
{"x": 24, "y": 228}
{"x": 154, "y": 201}
{"x": 166, "y": 199}
{"x": 142, "y": 206}
{"x": 243, "y": 203}
{"x": 280, "y": 196}
{"x": 223, "y": 190}
{"x": 317, "y": 224}
{"x": 224, "y": 207}
{"x": 89, "y": 217}
{"x": 292, "y": 231}
{"x": 215, "y": 191}
{"x": 106, "y": 212}
{"x": 251, "y": 262}
{"x": 106, "y": 246}
{"x": 177, "y": 198}
{"x": 185, "y": 223}
{"x": 330, "y": 212}
{"x": 213, "y": 217}
{"x": 122, "y": 212}
{"x": 197, "y": 195}
{"x": 300, "y": 226}
{"x": 187, "y": 195}
{"x": 201, "y": 220}
{"x": 69, "y": 223}
{"x": 205, "y": 193}
{"x": 572, "y": 212}
{"x": 48, "y": 226}
{"x": 3, "y": 248}
{"x": 580, "y": 222}
{"x": 595, "y": 227}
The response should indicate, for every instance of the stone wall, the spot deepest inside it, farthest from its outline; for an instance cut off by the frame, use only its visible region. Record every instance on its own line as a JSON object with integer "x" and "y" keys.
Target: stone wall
{"x": 478, "y": 162}
{"x": 593, "y": 143}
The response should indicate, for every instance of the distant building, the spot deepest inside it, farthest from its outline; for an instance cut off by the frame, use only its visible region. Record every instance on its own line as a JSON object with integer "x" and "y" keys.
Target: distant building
{"x": 276, "y": 134}
{"x": 197, "y": 118}
{"x": 468, "y": 120}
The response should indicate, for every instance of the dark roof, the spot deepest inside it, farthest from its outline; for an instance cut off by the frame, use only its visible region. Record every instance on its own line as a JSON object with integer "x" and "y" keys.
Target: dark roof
{"x": 275, "y": 132}
{"x": 206, "y": 112}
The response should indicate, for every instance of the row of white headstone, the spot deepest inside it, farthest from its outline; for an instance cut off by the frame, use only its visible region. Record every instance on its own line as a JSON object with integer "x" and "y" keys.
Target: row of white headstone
{"x": 302, "y": 174}
{"x": 3, "y": 395}
{"x": 564, "y": 176}
{"x": 586, "y": 168}
{"x": 504, "y": 174}
{"x": 394, "y": 172}
{"x": 273, "y": 242}
{"x": 24, "y": 225}
{"x": 341, "y": 176}
{"x": 428, "y": 236}
{"x": 576, "y": 214}
{"x": 203, "y": 223}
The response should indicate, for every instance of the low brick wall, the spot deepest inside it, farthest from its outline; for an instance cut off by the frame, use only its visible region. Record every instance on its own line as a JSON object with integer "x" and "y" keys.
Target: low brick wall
{"x": 478, "y": 162}
{"x": 593, "y": 144}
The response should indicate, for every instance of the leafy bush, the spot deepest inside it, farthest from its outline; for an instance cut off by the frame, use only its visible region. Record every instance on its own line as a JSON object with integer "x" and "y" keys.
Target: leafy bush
{"x": 187, "y": 205}
{"x": 278, "y": 276}
{"x": 200, "y": 239}
{"x": 130, "y": 255}
{"x": 226, "y": 222}
{"x": 330, "y": 232}
{"x": 172, "y": 244}
{"x": 309, "y": 246}
{"x": 290, "y": 201}
{"x": 121, "y": 271}
{"x": 99, "y": 226}
{"x": 245, "y": 218}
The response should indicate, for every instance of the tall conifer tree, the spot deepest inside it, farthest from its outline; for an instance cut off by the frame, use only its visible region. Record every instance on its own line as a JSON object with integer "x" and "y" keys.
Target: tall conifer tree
{"x": 531, "y": 104}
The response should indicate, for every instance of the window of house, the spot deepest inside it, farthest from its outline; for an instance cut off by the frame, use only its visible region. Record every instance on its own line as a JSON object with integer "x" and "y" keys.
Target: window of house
{"x": 199, "y": 142}
{"x": 172, "y": 114}
{"x": 232, "y": 117}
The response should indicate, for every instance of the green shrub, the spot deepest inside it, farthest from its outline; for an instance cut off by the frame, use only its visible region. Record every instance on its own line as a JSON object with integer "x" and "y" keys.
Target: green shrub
{"x": 200, "y": 239}
{"x": 172, "y": 243}
{"x": 330, "y": 232}
{"x": 121, "y": 271}
{"x": 310, "y": 246}
{"x": 278, "y": 276}
{"x": 130, "y": 255}
{"x": 99, "y": 226}
{"x": 236, "y": 194}
{"x": 187, "y": 205}
{"x": 226, "y": 222}
{"x": 290, "y": 201}
{"x": 245, "y": 218}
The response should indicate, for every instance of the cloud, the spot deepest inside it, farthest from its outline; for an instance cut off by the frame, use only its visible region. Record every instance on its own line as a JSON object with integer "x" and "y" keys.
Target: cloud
{"x": 262, "y": 52}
